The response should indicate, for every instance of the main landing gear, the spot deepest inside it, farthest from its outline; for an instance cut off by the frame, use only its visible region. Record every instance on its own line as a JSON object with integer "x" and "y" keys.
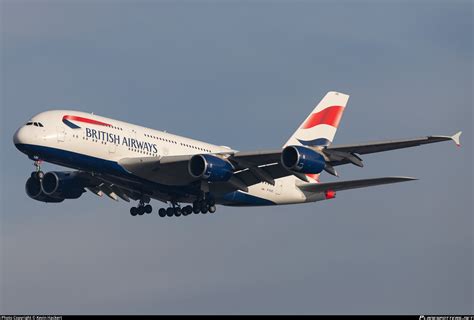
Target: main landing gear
{"x": 142, "y": 208}
{"x": 199, "y": 206}
{"x": 204, "y": 206}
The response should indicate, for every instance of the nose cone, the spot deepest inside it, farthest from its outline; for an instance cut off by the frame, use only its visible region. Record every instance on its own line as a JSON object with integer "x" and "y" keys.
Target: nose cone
{"x": 20, "y": 137}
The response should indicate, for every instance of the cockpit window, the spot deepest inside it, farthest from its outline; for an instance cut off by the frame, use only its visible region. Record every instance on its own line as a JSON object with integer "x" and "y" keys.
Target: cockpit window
{"x": 39, "y": 124}
{"x": 35, "y": 124}
{"x": 28, "y": 123}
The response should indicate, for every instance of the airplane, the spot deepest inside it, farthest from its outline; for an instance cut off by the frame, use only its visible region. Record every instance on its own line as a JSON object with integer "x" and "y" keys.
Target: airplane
{"x": 122, "y": 160}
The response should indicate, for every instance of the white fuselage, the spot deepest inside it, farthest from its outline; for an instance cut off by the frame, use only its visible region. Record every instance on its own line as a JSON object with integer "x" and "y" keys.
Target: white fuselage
{"x": 87, "y": 142}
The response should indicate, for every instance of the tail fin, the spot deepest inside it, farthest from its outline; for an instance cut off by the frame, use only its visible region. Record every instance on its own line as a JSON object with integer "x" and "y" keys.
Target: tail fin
{"x": 320, "y": 126}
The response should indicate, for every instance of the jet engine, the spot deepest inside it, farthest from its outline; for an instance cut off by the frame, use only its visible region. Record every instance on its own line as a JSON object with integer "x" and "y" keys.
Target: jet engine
{"x": 302, "y": 159}
{"x": 209, "y": 167}
{"x": 33, "y": 190}
{"x": 62, "y": 185}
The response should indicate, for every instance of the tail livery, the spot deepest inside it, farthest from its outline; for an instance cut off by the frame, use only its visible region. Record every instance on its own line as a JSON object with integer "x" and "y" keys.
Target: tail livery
{"x": 320, "y": 126}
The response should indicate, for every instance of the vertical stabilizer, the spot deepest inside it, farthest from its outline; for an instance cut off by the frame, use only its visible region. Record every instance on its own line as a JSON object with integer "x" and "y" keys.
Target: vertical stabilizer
{"x": 320, "y": 126}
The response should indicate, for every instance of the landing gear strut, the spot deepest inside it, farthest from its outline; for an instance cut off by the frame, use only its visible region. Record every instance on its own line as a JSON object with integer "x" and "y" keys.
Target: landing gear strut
{"x": 38, "y": 174}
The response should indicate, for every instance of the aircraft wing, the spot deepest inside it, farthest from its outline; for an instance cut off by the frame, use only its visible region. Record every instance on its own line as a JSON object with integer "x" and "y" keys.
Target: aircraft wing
{"x": 251, "y": 167}
{"x": 351, "y": 184}
{"x": 342, "y": 154}
{"x": 335, "y": 156}
{"x": 100, "y": 186}
{"x": 169, "y": 170}
{"x": 256, "y": 158}
{"x": 336, "y": 153}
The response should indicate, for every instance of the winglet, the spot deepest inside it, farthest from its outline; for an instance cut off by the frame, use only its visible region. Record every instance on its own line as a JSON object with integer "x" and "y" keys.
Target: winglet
{"x": 456, "y": 137}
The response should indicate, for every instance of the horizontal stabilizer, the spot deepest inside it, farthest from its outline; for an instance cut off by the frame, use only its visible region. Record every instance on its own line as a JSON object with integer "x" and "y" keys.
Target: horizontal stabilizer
{"x": 351, "y": 184}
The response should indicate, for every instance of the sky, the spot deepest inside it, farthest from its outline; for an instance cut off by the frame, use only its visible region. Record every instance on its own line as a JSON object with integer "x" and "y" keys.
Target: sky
{"x": 245, "y": 74}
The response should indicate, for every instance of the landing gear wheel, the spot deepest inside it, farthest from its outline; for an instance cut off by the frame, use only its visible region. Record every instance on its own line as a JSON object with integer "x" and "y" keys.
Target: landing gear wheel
{"x": 148, "y": 209}
{"x": 204, "y": 209}
{"x": 169, "y": 212}
{"x": 40, "y": 175}
{"x": 133, "y": 211}
{"x": 37, "y": 175}
{"x": 141, "y": 210}
{"x": 162, "y": 212}
{"x": 189, "y": 210}
{"x": 212, "y": 209}
{"x": 196, "y": 209}
{"x": 177, "y": 212}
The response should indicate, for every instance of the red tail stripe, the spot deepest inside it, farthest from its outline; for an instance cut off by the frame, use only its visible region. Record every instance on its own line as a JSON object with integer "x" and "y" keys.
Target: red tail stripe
{"x": 330, "y": 116}
{"x": 81, "y": 119}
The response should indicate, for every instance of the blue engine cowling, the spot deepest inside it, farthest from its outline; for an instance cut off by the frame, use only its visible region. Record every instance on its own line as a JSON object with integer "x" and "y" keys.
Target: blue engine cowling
{"x": 209, "y": 167}
{"x": 33, "y": 190}
{"x": 302, "y": 159}
{"x": 62, "y": 185}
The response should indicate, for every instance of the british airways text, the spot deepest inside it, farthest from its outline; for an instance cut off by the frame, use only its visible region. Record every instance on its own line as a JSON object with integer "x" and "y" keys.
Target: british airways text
{"x": 117, "y": 139}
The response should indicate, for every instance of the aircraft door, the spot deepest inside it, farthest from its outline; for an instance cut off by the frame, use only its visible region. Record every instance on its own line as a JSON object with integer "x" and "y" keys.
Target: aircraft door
{"x": 61, "y": 134}
{"x": 112, "y": 147}
{"x": 278, "y": 187}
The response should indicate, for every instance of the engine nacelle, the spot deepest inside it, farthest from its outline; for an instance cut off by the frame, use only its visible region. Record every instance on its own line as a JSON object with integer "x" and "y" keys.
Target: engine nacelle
{"x": 33, "y": 190}
{"x": 209, "y": 167}
{"x": 302, "y": 159}
{"x": 64, "y": 185}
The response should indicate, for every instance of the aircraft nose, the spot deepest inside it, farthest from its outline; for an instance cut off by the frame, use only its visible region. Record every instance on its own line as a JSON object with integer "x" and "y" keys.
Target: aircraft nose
{"x": 20, "y": 136}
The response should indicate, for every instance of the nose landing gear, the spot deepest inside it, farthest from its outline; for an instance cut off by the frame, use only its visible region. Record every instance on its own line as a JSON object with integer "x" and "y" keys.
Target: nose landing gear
{"x": 37, "y": 174}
